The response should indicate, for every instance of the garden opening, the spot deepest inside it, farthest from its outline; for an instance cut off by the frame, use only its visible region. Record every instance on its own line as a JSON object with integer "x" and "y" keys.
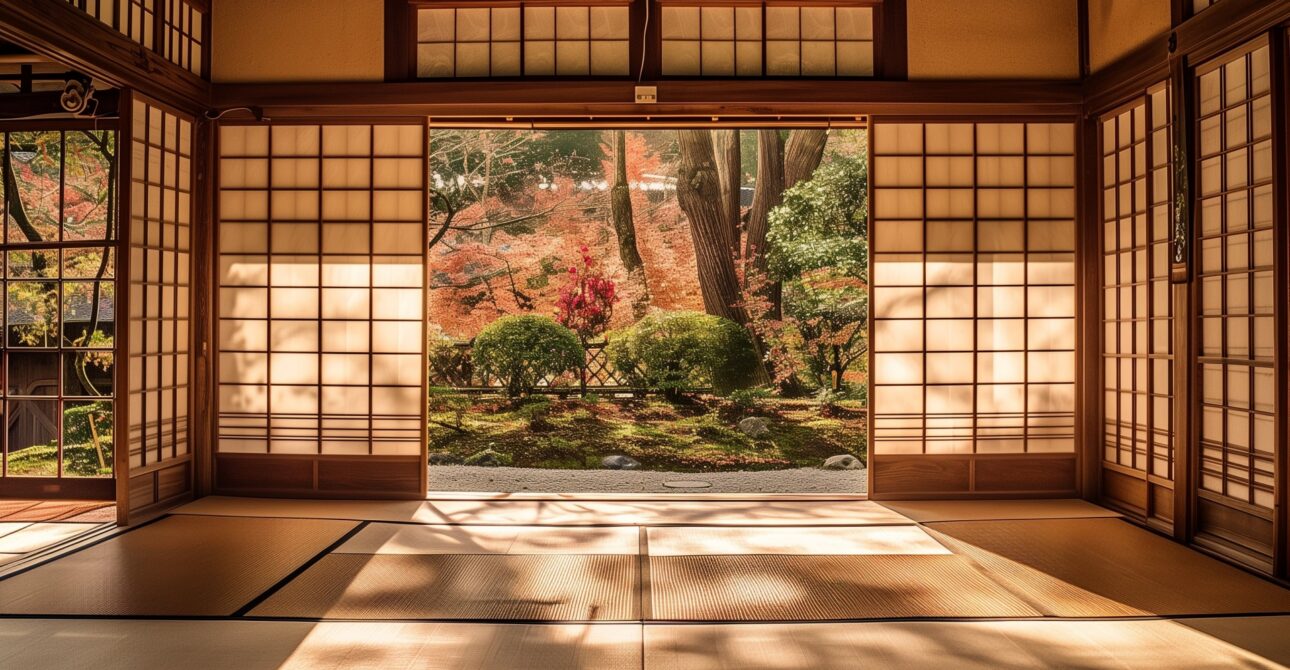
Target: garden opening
{"x": 648, "y": 310}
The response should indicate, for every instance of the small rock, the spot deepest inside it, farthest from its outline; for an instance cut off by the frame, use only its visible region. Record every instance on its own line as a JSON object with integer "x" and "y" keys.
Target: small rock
{"x": 755, "y": 427}
{"x": 487, "y": 458}
{"x": 441, "y": 458}
{"x": 620, "y": 462}
{"x": 842, "y": 462}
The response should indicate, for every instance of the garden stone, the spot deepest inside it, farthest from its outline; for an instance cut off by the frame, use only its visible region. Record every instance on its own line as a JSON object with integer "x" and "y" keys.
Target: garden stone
{"x": 755, "y": 427}
{"x": 486, "y": 458}
{"x": 842, "y": 462}
{"x": 620, "y": 462}
{"x": 441, "y": 458}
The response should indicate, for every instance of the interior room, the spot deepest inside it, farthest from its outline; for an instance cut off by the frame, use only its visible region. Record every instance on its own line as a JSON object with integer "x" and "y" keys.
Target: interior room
{"x": 644, "y": 333}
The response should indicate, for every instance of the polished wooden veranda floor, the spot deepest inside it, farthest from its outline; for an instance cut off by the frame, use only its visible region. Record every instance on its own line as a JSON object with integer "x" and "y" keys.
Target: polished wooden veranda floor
{"x": 565, "y": 583}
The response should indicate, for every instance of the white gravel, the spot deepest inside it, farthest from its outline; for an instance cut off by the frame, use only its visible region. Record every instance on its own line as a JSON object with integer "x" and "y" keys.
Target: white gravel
{"x": 515, "y": 480}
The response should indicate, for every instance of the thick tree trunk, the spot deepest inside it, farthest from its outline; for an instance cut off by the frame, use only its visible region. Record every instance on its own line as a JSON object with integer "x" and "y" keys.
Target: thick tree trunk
{"x": 768, "y": 194}
{"x": 802, "y": 155}
{"x": 730, "y": 174}
{"x": 699, "y": 192}
{"x": 625, "y": 226}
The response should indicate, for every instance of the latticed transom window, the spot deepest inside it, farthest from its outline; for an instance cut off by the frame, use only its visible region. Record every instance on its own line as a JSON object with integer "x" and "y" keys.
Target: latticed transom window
{"x": 667, "y": 38}
{"x": 522, "y": 39}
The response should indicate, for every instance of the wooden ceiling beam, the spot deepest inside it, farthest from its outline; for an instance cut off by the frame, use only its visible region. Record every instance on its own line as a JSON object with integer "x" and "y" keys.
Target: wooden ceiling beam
{"x": 58, "y": 30}
{"x": 530, "y": 99}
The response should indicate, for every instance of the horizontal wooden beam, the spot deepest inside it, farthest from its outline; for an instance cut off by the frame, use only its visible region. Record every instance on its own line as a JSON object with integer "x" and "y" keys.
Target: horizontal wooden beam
{"x": 81, "y": 42}
{"x": 724, "y": 98}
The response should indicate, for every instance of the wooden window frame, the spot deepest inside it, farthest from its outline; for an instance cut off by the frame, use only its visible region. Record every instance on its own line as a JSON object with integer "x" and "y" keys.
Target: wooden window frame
{"x": 889, "y": 39}
{"x": 59, "y": 485}
{"x": 161, "y": 21}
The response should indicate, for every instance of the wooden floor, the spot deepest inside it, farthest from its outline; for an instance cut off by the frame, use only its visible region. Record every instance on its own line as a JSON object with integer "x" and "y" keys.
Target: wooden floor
{"x": 560, "y": 583}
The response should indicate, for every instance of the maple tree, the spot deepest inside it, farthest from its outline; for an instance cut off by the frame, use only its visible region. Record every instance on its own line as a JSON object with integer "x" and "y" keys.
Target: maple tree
{"x": 586, "y": 301}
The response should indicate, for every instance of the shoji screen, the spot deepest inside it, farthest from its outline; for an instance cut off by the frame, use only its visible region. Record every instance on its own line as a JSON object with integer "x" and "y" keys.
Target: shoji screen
{"x": 1236, "y": 266}
{"x": 321, "y": 309}
{"x": 159, "y": 267}
{"x": 974, "y": 309}
{"x": 1137, "y": 307}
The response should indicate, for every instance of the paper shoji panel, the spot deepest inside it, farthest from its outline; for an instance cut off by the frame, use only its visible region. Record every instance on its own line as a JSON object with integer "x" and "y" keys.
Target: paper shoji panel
{"x": 468, "y": 42}
{"x": 183, "y": 36}
{"x": 508, "y": 41}
{"x": 1235, "y": 270}
{"x": 160, "y": 271}
{"x": 819, "y": 41}
{"x": 973, "y": 288}
{"x": 321, "y": 302}
{"x": 572, "y": 40}
{"x": 136, "y": 20}
{"x": 103, "y": 10}
{"x": 1137, "y": 346}
{"x": 712, "y": 41}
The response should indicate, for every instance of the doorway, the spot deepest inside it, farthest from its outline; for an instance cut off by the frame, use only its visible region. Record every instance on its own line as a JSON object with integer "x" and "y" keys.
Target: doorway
{"x": 648, "y": 310}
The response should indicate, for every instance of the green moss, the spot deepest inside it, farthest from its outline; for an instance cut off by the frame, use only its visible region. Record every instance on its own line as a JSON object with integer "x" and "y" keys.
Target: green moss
{"x": 576, "y": 434}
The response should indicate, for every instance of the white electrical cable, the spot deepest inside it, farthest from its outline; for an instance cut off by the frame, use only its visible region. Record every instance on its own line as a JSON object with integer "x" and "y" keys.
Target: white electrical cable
{"x": 644, "y": 44}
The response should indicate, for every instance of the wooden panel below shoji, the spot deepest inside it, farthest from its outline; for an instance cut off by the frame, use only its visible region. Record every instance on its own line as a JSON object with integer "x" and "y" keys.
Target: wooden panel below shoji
{"x": 295, "y": 476}
{"x": 973, "y": 475}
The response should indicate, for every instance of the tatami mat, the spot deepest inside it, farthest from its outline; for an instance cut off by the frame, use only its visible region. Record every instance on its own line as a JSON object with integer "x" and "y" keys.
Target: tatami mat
{"x": 561, "y": 512}
{"x": 9, "y": 527}
{"x": 1108, "y": 567}
{"x": 818, "y": 588}
{"x": 462, "y": 586}
{"x": 55, "y": 510}
{"x": 76, "y": 644}
{"x": 983, "y": 645}
{"x": 393, "y": 538}
{"x": 40, "y": 535}
{"x": 854, "y": 540}
{"x": 930, "y": 511}
{"x": 182, "y": 565}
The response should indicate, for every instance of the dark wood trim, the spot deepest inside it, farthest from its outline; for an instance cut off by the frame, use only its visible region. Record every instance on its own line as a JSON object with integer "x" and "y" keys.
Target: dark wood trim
{"x": 1196, "y": 38}
{"x": 480, "y": 101}
{"x": 893, "y": 40}
{"x": 400, "y": 41}
{"x": 1089, "y": 365}
{"x": 1227, "y": 24}
{"x": 312, "y": 475}
{"x": 1279, "y": 45}
{"x": 1130, "y": 75}
{"x": 201, "y": 393}
{"x": 66, "y": 34}
{"x": 121, "y": 380}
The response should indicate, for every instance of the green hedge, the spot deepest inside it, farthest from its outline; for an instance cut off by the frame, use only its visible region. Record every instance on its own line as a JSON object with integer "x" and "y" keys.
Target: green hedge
{"x": 674, "y": 352}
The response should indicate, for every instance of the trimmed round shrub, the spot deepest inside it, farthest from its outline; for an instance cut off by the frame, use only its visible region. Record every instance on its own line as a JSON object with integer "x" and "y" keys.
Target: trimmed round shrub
{"x": 523, "y": 350}
{"x": 674, "y": 352}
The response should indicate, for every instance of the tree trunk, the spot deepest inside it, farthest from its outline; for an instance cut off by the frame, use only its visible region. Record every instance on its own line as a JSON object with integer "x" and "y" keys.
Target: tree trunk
{"x": 699, "y": 192}
{"x": 768, "y": 195}
{"x": 730, "y": 175}
{"x": 625, "y": 226}
{"x": 802, "y": 155}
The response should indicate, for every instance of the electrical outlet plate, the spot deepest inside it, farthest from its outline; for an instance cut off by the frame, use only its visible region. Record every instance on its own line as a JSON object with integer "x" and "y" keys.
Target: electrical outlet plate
{"x": 646, "y": 95}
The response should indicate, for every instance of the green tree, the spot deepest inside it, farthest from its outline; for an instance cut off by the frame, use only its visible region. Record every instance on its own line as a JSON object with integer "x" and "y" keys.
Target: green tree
{"x": 818, "y": 246}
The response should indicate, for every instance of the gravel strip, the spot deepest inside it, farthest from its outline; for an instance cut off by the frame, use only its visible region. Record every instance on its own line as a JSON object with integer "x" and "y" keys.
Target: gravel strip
{"x": 515, "y": 480}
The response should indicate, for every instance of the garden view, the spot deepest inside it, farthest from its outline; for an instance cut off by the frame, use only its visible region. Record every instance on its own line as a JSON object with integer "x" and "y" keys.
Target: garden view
{"x": 59, "y": 201}
{"x": 671, "y": 300}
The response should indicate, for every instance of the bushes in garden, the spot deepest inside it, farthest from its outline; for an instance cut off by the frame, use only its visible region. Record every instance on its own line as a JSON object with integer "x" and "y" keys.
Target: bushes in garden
{"x": 523, "y": 350}
{"x": 673, "y": 352}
